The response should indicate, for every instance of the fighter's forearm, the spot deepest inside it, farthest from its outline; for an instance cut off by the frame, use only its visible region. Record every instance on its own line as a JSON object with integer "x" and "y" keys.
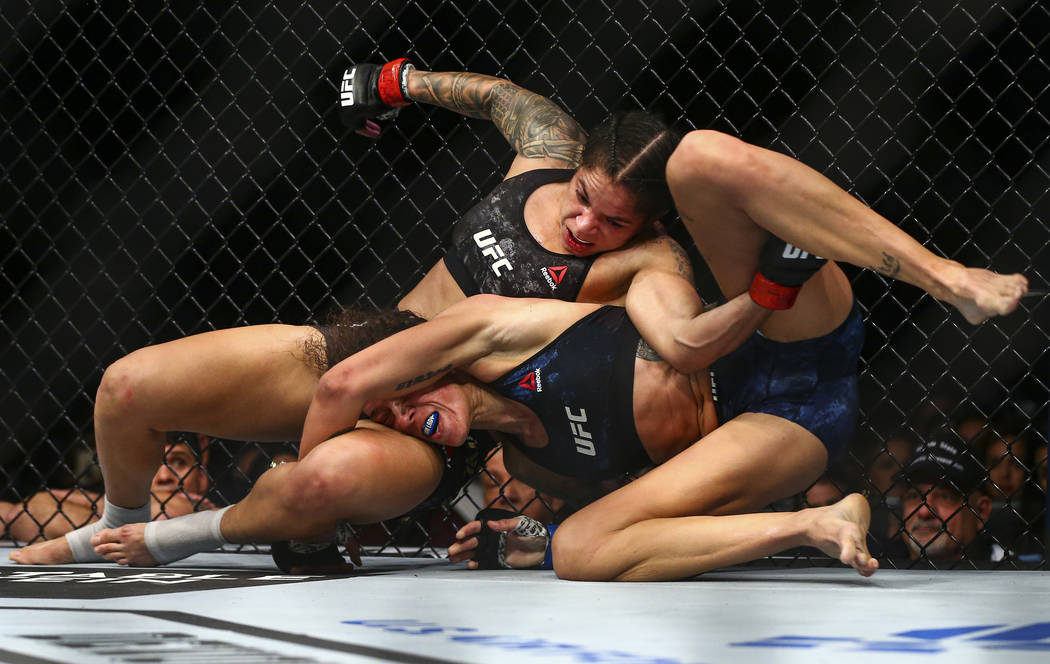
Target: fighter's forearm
{"x": 535, "y": 126}
{"x": 670, "y": 317}
{"x": 717, "y": 332}
{"x": 331, "y": 412}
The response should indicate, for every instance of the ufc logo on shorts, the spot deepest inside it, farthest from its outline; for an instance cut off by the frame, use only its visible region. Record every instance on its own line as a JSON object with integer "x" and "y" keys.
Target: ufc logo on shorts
{"x": 346, "y": 90}
{"x": 489, "y": 248}
{"x": 793, "y": 252}
{"x": 584, "y": 443}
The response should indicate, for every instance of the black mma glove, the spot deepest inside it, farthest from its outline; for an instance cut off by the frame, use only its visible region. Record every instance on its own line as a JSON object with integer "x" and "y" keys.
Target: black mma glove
{"x": 318, "y": 558}
{"x": 372, "y": 92}
{"x": 491, "y": 552}
{"x": 782, "y": 269}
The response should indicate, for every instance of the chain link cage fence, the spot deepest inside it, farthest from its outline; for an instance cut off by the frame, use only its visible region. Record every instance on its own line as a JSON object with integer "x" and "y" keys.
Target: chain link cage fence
{"x": 173, "y": 168}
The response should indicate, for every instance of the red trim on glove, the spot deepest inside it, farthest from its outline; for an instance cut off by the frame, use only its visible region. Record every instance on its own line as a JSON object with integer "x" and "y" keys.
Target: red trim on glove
{"x": 772, "y": 295}
{"x": 390, "y": 83}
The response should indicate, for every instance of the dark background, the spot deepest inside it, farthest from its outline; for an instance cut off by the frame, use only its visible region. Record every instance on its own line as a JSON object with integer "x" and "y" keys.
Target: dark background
{"x": 173, "y": 169}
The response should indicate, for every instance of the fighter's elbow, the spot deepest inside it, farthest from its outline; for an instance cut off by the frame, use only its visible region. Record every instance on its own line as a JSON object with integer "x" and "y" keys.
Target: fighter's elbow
{"x": 689, "y": 355}
{"x": 334, "y": 386}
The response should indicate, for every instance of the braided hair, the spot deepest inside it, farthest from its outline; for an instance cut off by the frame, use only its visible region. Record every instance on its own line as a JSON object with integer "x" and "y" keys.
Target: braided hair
{"x": 632, "y": 149}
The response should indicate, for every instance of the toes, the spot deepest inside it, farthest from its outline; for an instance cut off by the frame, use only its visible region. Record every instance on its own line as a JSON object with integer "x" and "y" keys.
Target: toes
{"x": 109, "y": 551}
{"x": 849, "y": 552}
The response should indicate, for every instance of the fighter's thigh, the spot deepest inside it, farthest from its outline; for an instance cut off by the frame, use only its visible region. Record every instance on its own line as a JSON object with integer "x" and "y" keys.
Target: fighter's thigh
{"x": 704, "y": 174}
{"x": 251, "y": 383}
{"x": 368, "y": 475}
{"x": 742, "y": 466}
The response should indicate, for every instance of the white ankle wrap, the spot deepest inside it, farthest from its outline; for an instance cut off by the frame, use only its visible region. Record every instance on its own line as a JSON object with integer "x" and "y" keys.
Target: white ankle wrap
{"x": 175, "y": 539}
{"x": 113, "y": 516}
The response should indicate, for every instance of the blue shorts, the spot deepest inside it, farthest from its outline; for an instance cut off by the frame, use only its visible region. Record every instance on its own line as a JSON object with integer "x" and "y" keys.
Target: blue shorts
{"x": 812, "y": 383}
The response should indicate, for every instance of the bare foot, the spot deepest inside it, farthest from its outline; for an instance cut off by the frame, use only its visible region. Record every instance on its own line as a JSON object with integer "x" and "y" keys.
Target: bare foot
{"x": 51, "y": 552}
{"x": 125, "y": 545}
{"x": 980, "y": 294}
{"x": 841, "y": 530}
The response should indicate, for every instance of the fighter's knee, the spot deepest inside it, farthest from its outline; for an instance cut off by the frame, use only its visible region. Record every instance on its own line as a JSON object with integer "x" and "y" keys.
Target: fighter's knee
{"x": 329, "y": 481}
{"x": 121, "y": 385}
{"x": 706, "y": 155}
{"x": 573, "y": 551}
{"x": 314, "y": 489}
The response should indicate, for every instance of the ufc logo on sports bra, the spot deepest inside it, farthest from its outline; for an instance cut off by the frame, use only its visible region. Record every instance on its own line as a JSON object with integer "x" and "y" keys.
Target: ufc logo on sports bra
{"x": 584, "y": 443}
{"x": 489, "y": 248}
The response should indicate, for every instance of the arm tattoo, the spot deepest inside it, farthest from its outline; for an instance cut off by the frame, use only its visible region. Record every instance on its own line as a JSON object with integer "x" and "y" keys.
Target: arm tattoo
{"x": 891, "y": 267}
{"x": 646, "y": 352}
{"x": 535, "y": 126}
{"x": 682, "y": 263}
{"x": 469, "y": 94}
{"x": 422, "y": 377}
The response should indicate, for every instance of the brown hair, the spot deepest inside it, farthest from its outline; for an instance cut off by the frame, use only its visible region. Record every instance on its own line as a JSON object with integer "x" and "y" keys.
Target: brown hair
{"x": 347, "y": 331}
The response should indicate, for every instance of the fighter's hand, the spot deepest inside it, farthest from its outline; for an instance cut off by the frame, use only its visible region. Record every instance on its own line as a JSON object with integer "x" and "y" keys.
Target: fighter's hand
{"x": 512, "y": 542}
{"x": 782, "y": 269}
{"x": 467, "y": 543}
{"x": 372, "y": 92}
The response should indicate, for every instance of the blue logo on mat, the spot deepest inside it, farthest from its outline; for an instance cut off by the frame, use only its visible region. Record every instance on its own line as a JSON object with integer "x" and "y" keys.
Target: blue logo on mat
{"x": 534, "y": 646}
{"x": 1032, "y": 637}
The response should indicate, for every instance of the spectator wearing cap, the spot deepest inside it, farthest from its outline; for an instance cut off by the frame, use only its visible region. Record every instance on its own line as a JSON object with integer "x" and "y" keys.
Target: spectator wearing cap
{"x": 944, "y": 503}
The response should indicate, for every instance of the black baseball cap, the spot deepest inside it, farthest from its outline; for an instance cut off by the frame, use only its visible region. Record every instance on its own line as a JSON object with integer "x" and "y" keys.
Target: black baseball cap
{"x": 945, "y": 459}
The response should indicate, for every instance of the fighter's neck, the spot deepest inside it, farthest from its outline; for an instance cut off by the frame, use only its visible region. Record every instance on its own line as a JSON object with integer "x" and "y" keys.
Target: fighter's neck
{"x": 493, "y": 412}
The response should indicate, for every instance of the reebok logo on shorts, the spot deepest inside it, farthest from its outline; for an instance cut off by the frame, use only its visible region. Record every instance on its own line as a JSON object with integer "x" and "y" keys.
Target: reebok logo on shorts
{"x": 554, "y": 274}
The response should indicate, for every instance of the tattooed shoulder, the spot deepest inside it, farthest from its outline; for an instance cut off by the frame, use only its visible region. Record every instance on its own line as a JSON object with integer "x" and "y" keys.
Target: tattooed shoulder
{"x": 536, "y": 126}
{"x": 682, "y": 263}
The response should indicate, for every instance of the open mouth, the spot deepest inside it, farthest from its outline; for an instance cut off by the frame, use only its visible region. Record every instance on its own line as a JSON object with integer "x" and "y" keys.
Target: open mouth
{"x": 430, "y": 425}
{"x": 574, "y": 243}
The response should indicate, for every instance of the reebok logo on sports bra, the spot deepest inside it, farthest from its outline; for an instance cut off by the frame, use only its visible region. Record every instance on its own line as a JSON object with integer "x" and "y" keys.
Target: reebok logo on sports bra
{"x": 554, "y": 274}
